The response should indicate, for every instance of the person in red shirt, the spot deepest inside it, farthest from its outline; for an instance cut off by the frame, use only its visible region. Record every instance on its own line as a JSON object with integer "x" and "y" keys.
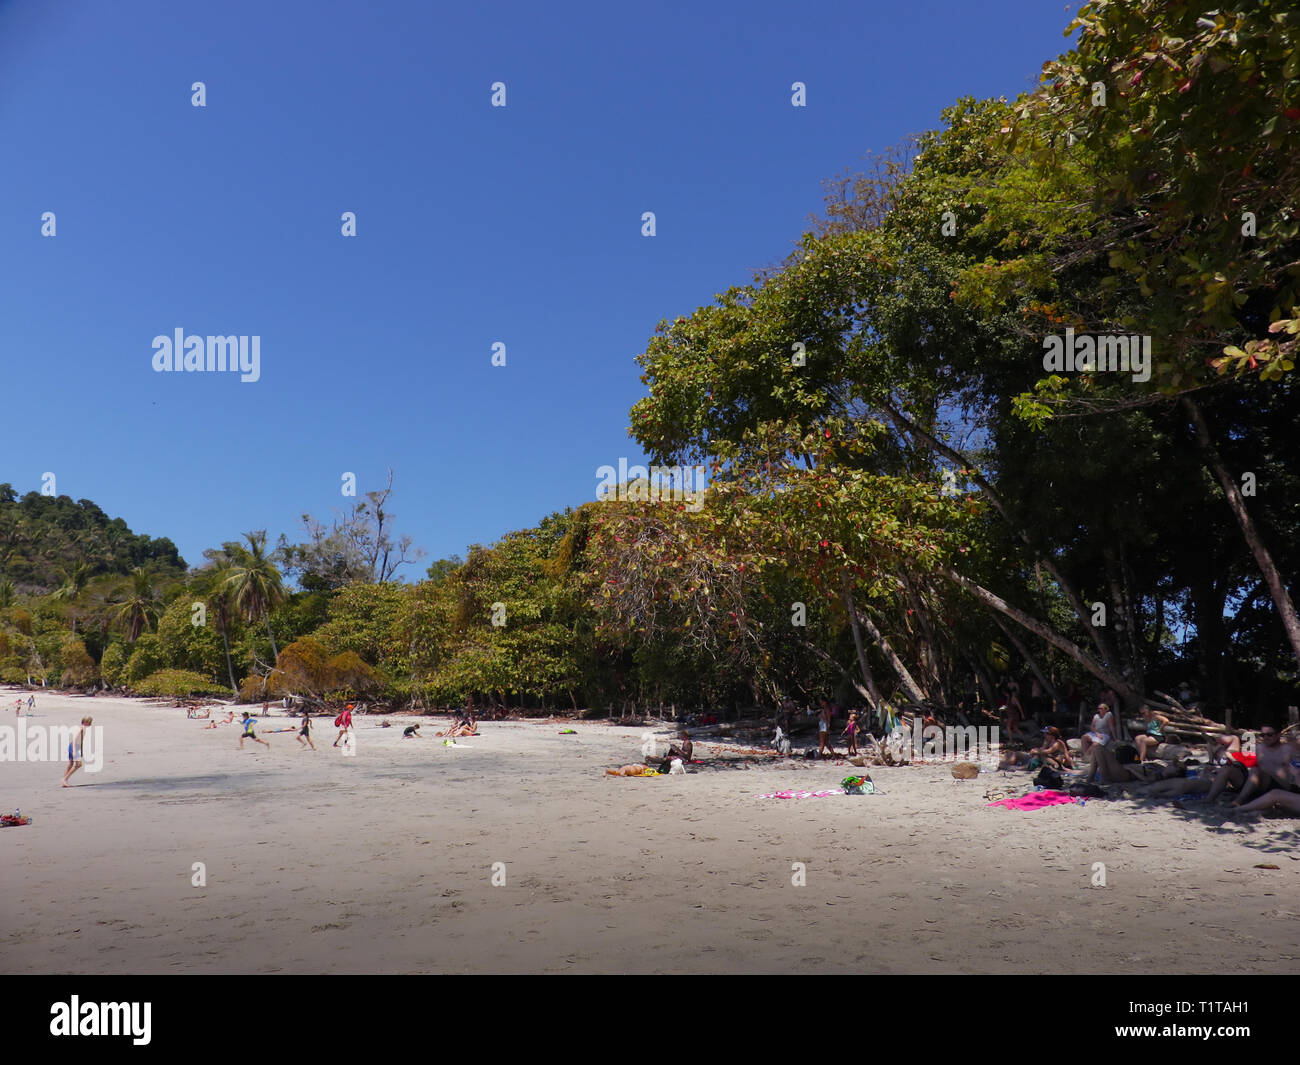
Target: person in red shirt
{"x": 344, "y": 723}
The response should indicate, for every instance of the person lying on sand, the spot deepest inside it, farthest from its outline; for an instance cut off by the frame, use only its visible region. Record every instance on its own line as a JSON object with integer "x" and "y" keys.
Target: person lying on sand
{"x": 1171, "y": 788}
{"x": 214, "y": 722}
{"x": 636, "y": 769}
{"x": 1106, "y": 768}
{"x": 1287, "y": 800}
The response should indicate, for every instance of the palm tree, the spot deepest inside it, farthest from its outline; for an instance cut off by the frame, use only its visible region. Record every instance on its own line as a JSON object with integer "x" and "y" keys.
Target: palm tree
{"x": 75, "y": 578}
{"x": 254, "y": 583}
{"x": 213, "y": 585}
{"x": 140, "y": 607}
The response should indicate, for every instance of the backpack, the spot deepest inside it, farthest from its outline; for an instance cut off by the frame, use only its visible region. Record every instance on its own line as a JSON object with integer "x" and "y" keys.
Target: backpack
{"x": 1048, "y": 778}
{"x": 338, "y": 721}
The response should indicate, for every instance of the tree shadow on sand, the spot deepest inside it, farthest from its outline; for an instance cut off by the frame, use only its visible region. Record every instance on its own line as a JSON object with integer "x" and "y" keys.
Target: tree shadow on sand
{"x": 1267, "y": 833}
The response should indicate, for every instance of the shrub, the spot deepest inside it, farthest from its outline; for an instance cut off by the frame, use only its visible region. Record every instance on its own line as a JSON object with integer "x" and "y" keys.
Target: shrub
{"x": 178, "y": 682}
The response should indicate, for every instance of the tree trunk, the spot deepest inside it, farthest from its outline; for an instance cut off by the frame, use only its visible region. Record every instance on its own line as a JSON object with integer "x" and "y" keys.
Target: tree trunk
{"x": 1067, "y": 587}
{"x": 1030, "y": 661}
{"x": 910, "y": 687}
{"x": 230, "y": 669}
{"x": 275, "y": 652}
{"x": 1272, "y": 579}
{"x": 1097, "y": 669}
{"x": 851, "y": 607}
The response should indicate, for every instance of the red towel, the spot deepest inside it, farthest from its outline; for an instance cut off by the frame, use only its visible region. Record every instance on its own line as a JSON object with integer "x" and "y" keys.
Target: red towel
{"x": 1248, "y": 760}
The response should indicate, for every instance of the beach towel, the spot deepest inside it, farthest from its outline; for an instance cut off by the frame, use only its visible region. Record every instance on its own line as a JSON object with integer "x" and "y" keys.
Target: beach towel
{"x": 14, "y": 820}
{"x": 802, "y": 794}
{"x": 1036, "y": 800}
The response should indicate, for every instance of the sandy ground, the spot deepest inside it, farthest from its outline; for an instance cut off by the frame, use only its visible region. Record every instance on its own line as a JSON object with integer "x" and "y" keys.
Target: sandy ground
{"x": 317, "y": 862}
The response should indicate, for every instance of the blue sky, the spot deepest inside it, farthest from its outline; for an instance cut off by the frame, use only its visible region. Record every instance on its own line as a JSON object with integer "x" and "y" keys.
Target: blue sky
{"x": 475, "y": 225}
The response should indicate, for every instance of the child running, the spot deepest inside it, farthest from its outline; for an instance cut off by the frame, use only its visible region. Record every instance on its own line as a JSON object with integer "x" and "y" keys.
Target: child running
{"x": 304, "y": 733}
{"x": 248, "y": 733}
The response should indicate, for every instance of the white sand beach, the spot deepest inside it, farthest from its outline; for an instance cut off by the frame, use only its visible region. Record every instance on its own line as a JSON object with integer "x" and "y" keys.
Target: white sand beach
{"x": 320, "y": 863}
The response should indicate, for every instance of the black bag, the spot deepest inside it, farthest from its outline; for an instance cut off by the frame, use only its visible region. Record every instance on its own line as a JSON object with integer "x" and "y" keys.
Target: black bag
{"x": 1086, "y": 791}
{"x": 1048, "y": 778}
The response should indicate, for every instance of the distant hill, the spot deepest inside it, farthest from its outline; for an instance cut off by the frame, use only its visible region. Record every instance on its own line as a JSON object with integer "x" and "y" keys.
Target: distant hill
{"x": 42, "y": 537}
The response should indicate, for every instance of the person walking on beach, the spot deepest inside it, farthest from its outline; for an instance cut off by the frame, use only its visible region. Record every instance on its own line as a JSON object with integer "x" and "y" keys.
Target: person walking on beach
{"x": 344, "y": 724}
{"x": 31, "y": 703}
{"x": 304, "y": 733}
{"x": 75, "y": 750}
{"x": 248, "y": 733}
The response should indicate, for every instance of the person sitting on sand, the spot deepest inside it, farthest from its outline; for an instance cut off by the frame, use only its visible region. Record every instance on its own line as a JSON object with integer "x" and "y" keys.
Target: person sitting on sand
{"x": 684, "y": 752}
{"x": 1277, "y": 767}
{"x": 1103, "y": 729}
{"x": 411, "y": 732}
{"x": 1218, "y": 749}
{"x": 248, "y": 733}
{"x": 214, "y": 722}
{"x": 1054, "y": 751}
{"x": 1232, "y": 774}
{"x": 1155, "y": 732}
{"x": 464, "y": 726}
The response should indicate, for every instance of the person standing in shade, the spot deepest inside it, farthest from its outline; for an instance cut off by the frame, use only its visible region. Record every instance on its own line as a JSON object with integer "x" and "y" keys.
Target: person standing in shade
{"x": 824, "y": 730}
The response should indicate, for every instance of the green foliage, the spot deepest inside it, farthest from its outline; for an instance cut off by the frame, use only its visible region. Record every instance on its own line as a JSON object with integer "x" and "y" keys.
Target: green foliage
{"x": 177, "y": 683}
{"x": 45, "y": 539}
{"x": 147, "y": 658}
{"x": 112, "y": 666}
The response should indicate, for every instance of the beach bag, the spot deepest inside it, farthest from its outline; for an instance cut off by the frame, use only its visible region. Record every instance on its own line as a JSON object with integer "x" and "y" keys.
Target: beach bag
{"x": 1086, "y": 791}
{"x": 965, "y": 771}
{"x": 1048, "y": 778}
{"x": 338, "y": 721}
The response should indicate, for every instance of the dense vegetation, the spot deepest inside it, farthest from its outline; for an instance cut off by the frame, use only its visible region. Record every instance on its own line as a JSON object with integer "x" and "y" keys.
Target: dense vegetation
{"x": 907, "y": 502}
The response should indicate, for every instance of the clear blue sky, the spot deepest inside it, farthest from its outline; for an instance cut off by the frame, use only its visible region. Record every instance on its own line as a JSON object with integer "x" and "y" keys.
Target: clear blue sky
{"x": 474, "y": 225}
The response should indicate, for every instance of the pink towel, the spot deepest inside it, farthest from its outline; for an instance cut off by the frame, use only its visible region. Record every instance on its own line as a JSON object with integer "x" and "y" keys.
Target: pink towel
{"x": 802, "y": 794}
{"x": 1035, "y": 800}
